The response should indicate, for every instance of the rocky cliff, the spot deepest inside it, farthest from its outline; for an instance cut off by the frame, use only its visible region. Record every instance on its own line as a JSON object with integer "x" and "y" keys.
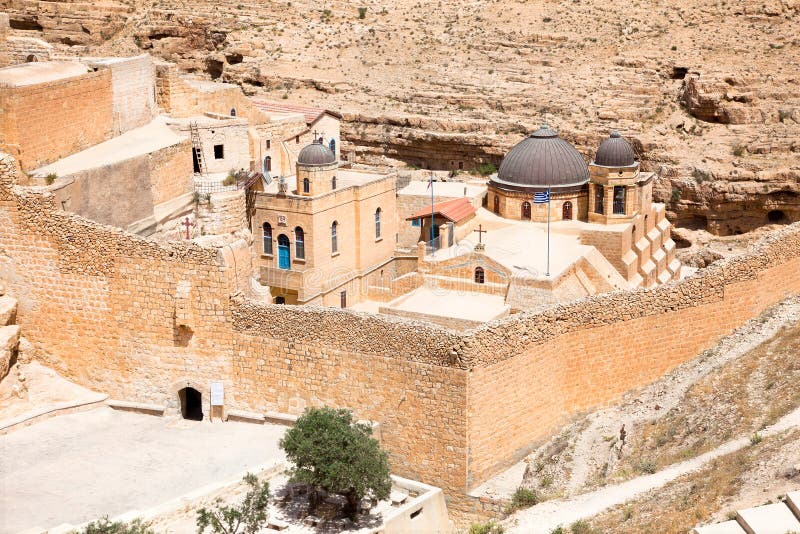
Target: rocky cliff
{"x": 706, "y": 90}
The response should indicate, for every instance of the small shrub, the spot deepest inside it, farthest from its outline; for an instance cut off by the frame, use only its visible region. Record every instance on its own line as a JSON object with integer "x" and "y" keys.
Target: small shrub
{"x": 756, "y": 438}
{"x": 558, "y": 530}
{"x": 104, "y": 526}
{"x": 250, "y": 515}
{"x": 229, "y": 180}
{"x": 738, "y": 150}
{"x": 362, "y": 12}
{"x": 700, "y": 175}
{"x": 783, "y": 115}
{"x": 547, "y": 19}
{"x": 50, "y": 178}
{"x": 673, "y": 48}
{"x": 676, "y": 194}
{"x": 486, "y": 169}
{"x": 646, "y": 466}
{"x": 522, "y": 498}
{"x": 582, "y": 527}
{"x": 490, "y": 527}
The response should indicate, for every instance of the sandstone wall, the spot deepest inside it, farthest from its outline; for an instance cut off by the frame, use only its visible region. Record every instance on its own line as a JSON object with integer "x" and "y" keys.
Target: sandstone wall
{"x": 224, "y": 213}
{"x": 133, "y": 90}
{"x": 533, "y": 371}
{"x": 45, "y": 122}
{"x": 25, "y": 49}
{"x": 139, "y": 320}
{"x": 171, "y": 172}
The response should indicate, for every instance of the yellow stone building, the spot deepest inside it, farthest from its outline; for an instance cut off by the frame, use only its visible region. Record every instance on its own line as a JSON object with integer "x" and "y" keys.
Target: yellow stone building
{"x": 322, "y": 231}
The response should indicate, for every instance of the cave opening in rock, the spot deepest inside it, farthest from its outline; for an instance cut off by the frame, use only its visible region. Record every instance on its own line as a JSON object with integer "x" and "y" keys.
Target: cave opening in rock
{"x": 776, "y": 216}
{"x": 214, "y": 68}
{"x": 17, "y": 24}
{"x": 679, "y": 73}
{"x": 191, "y": 404}
{"x": 694, "y": 222}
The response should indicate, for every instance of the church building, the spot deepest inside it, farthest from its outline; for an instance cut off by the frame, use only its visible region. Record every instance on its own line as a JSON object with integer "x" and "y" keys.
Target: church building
{"x": 321, "y": 231}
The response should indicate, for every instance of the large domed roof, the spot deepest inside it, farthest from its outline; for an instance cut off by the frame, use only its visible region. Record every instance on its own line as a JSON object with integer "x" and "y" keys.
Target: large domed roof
{"x": 615, "y": 152}
{"x": 316, "y": 154}
{"x": 540, "y": 160}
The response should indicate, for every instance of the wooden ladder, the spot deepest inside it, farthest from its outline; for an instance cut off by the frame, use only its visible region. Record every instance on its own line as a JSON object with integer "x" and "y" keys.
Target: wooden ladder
{"x": 197, "y": 145}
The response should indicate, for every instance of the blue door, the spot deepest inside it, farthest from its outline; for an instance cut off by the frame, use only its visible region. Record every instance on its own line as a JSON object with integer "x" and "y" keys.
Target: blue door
{"x": 283, "y": 252}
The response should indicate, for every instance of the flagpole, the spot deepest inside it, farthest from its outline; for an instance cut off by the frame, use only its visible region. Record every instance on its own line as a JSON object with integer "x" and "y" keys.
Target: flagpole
{"x": 548, "y": 231}
{"x": 433, "y": 245}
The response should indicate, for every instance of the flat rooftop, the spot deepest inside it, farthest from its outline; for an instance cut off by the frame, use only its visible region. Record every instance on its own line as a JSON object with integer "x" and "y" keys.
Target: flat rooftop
{"x": 419, "y": 188}
{"x": 521, "y": 246}
{"x": 40, "y": 72}
{"x": 82, "y": 466}
{"x": 467, "y": 305}
{"x": 136, "y": 142}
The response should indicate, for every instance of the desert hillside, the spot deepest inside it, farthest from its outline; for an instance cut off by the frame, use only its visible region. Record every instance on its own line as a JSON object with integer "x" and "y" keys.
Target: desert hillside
{"x": 707, "y": 90}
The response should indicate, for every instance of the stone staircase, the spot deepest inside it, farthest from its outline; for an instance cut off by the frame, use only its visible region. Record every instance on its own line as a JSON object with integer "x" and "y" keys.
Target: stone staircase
{"x": 9, "y": 332}
{"x": 779, "y": 518}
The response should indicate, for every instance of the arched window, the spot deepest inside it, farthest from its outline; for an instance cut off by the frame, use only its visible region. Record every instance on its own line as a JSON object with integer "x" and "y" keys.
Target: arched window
{"x": 479, "y": 275}
{"x": 497, "y": 204}
{"x": 267, "y": 164}
{"x": 566, "y": 211}
{"x": 233, "y": 112}
{"x": 267, "y": 238}
{"x": 333, "y": 183}
{"x": 619, "y": 200}
{"x": 299, "y": 243}
{"x": 334, "y": 237}
{"x": 332, "y": 146}
{"x": 306, "y": 185}
{"x": 377, "y": 223}
{"x": 599, "y": 199}
{"x": 526, "y": 210}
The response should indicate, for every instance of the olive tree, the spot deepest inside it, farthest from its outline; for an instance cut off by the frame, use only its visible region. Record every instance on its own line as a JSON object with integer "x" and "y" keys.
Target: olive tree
{"x": 250, "y": 515}
{"x": 333, "y": 452}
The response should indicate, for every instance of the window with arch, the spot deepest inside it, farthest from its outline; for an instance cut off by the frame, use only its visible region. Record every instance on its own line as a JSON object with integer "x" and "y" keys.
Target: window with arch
{"x": 480, "y": 275}
{"x": 599, "y": 199}
{"x": 496, "y": 207}
{"x": 267, "y": 163}
{"x": 619, "y": 200}
{"x": 334, "y": 237}
{"x": 332, "y": 146}
{"x": 299, "y": 243}
{"x": 526, "y": 210}
{"x": 306, "y": 185}
{"x": 233, "y": 112}
{"x": 266, "y": 232}
{"x": 333, "y": 183}
{"x": 377, "y": 223}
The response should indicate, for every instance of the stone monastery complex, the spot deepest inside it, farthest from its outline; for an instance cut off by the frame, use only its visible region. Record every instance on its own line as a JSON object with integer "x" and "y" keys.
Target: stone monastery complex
{"x": 161, "y": 232}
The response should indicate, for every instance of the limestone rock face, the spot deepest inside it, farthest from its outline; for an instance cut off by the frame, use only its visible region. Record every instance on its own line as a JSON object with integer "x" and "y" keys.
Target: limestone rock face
{"x": 8, "y": 310}
{"x": 704, "y": 91}
{"x": 9, "y": 343}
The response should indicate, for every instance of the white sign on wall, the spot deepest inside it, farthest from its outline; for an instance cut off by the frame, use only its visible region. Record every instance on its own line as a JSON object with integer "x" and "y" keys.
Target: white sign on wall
{"x": 217, "y": 394}
{"x": 281, "y": 220}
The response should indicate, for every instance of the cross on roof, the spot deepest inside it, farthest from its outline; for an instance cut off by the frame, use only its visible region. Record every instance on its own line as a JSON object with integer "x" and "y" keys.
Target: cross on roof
{"x": 480, "y": 231}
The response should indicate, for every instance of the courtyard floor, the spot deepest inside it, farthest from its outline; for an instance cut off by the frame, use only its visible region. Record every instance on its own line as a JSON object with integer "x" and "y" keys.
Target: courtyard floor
{"x": 77, "y": 467}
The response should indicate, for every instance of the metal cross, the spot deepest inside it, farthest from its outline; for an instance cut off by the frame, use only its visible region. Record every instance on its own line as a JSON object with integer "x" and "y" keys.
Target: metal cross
{"x": 188, "y": 224}
{"x": 480, "y": 232}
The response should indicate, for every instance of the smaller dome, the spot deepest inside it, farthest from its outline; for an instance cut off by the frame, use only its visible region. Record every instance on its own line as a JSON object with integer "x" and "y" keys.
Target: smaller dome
{"x": 615, "y": 152}
{"x": 316, "y": 154}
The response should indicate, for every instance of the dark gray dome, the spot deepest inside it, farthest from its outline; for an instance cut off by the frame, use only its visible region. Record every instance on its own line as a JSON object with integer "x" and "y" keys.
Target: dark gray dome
{"x": 316, "y": 154}
{"x": 615, "y": 152}
{"x": 540, "y": 160}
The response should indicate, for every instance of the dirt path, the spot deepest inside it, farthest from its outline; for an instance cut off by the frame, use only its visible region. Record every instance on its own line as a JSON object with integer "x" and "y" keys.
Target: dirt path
{"x": 543, "y": 518}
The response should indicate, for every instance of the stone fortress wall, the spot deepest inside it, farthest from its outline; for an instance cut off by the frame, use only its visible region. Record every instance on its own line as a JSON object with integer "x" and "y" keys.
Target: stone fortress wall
{"x": 140, "y": 320}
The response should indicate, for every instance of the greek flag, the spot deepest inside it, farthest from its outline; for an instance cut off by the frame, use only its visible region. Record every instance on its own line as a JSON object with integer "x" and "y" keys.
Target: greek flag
{"x": 541, "y": 198}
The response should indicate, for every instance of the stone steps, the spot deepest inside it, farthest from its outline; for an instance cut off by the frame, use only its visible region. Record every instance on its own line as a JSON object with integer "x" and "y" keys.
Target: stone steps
{"x": 9, "y": 332}
{"x": 767, "y": 519}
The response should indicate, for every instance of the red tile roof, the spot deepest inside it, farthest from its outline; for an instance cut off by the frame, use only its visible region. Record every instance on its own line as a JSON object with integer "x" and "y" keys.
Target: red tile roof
{"x": 311, "y": 113}
{"x": 455, "y": 210}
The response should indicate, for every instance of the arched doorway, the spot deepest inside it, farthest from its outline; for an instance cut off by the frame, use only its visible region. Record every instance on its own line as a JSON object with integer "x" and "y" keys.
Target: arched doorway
{"x": 497, "y": 204}
{"x": 526, "y": 210}
{"x": 267, "y": 164}
{"x": 191, "y": 404}
{"x": 283, "y": 252}
{"x": 566, "y": 211}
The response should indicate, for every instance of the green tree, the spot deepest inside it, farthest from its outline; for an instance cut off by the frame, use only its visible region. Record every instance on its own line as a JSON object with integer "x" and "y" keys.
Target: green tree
{"x": 250, "y": 515}
{"x": 335, "y": 453}
{"x": 105, "y": 526}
